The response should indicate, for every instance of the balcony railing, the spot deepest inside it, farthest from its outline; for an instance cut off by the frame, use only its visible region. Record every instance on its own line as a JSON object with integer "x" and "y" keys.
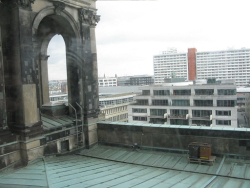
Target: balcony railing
{"x": 201, "y": 118}
{"x": 175, "y": 116}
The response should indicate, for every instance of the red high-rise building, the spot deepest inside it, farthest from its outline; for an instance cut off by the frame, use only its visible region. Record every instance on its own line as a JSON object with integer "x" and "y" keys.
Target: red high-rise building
{"x": 191, "y": 64}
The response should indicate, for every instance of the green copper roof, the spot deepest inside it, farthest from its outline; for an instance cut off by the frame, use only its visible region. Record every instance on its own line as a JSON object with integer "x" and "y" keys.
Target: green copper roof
{"x": 105, "y": 166}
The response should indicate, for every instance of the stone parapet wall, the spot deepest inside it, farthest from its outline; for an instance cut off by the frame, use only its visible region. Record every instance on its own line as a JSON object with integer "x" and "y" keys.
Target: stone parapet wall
{"x": 21, "y": 153}
{"x": 231, "y": 141}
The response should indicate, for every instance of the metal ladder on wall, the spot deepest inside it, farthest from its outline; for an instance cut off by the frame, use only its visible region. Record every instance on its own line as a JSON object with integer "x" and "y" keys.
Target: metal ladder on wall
{"x": 79, "y": 139}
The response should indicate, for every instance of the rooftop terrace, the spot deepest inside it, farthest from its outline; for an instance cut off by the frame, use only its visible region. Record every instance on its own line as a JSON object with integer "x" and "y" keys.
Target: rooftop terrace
{"x": 106, "y": 166}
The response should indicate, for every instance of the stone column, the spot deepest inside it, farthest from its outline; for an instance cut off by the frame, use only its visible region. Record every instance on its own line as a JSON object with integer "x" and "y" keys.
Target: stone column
{"x": 94, "y": 70}
{"x": 44, "y": 77}
{"x": 21, "y": 76}
{"x": 3, "y": 123}
{"x": 88, "y": 20}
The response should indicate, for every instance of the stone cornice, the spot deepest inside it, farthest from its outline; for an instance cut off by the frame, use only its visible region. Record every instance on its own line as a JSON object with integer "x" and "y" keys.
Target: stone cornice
{"x": 25, "y": 4}
{"x": 77, "y": 3}
{"x": 88, "y": 17}
{"x": 59, "y": 6}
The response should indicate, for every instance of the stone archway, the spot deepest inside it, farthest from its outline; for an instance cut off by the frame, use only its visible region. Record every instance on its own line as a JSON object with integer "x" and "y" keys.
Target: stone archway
{"x": 27, "y": 31}
{"x": 48, "y": 27}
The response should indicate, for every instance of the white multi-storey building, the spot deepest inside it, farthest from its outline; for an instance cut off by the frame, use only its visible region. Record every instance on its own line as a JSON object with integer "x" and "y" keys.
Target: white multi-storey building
{"x": 168, "y": 63}
{"x": 228, "y": 64}
{"x": 115, "y": 107}
{"x": 106, "y": 82}
{"x": 186, "y": 104}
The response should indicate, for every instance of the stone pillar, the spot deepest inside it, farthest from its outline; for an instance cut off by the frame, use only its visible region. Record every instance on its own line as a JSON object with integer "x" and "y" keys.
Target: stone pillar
{"x": 88, "y": 20}
{"x": 94, "y": 70}
{"x": 3, "y": 123}
{"x": 44, "y": 78}
{"x": 18, "y": 74}
{"x": 21, "y": 74}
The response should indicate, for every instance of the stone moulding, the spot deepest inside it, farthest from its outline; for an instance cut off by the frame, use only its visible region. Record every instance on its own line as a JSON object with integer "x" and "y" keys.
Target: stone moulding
{"x": 59, "y": 7}
{"x": 75, "y": 3}
{"x": 88, "y": 17}
{"x": 24, "y": 4}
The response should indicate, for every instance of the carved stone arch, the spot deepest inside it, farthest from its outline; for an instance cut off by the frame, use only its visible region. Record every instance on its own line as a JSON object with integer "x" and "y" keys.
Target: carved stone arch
{"x": 24, "y": 49}
{"x": 50, "y": 11}
{"x": 65, "y": 25}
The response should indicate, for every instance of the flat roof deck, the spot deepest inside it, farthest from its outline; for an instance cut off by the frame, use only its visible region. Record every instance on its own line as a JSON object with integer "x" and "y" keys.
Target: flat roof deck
{"x": 53, "y": 123}
{"x": 106, "y": 166}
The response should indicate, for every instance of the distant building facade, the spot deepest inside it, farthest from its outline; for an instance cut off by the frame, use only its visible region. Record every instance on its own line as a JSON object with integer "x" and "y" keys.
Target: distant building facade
{"x": 107, "y": 82}
{"x": 118, "y": 90}
{"x": 226, "y": 64}
{"x": 169, "y": 63}
{"x": 137, "y": 80}
{"x": 123, "y": 81}
{"x": 185, "y": 103}
{"x": 115, "y": 107}
{"x": 64, "y": 87}
{"x": 243, "y": 98}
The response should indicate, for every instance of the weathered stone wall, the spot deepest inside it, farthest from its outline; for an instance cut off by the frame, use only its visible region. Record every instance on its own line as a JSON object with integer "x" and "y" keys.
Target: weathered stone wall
{"x": 234, "y": 142}
{"x": 24, "y": 37}
{"x": 19, "y": 153}
{"x": 2, "y": 90}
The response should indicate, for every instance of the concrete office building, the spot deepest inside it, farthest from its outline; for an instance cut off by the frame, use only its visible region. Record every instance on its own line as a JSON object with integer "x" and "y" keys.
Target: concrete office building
{"x": 168, "y": 63}
{"x": 185, "y": 103}
{"x": 227, "y": 64}
{"x": 141, "y": 80}
{"x": 242, "y": 97}
{"x": 115, "y": 107}
{"x": 106, "y": 82}
{"x": 136, "y": 80}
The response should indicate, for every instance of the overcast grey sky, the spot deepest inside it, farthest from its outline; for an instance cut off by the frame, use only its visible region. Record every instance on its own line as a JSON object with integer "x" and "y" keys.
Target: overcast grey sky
{"x": 131, "y": 32}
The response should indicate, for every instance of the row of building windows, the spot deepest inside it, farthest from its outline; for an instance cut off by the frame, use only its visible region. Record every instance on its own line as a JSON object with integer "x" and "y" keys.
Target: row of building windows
{"x": 139, "y": 110}
{"x": 114, "y": 110}
{"x": 202, "y": 122}
{"x": 179, "y": 112}
{"x": 223, "y": 122}
{"x": 161, "y": 92}
{"x": 220, "y": 103}
{"x": 107, "y": 83}
{"x": 183, "y": 121}
{"x": 188, "y": 92}
{"x": 139, "y": 118}
{"x": 109, "y": 80}
{"x": 160, "y": 102}
{"x": 118, "y": 117}
{"x": 116, "y": 102}
{"x": 158, "y": 112}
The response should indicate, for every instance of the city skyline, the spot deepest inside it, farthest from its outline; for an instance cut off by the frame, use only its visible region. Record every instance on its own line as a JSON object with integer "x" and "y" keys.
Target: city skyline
{"x": 130, "y": 33}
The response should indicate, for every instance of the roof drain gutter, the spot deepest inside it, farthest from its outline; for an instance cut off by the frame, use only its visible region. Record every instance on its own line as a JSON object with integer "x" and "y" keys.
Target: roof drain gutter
{"x": 217, "y": 172}
{"x": 76, "y": 124}
{"x": 81, "y": 119}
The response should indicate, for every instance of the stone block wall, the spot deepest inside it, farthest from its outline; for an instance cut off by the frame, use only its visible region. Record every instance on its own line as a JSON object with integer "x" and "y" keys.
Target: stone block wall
{"x": 230, "y": 142}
